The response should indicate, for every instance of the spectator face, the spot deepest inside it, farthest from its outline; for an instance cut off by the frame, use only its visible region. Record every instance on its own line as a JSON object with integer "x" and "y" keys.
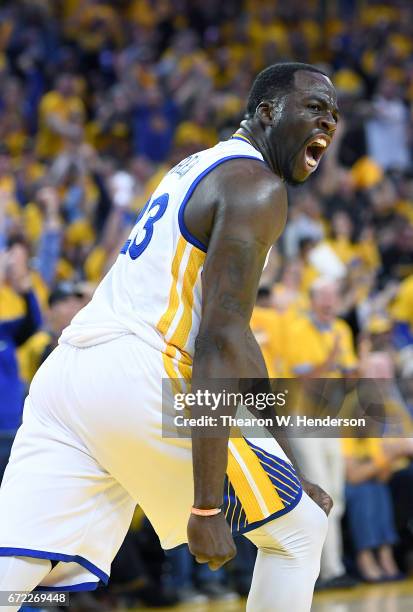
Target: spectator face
{"x": 17, "y": 264}
{"x": 66, "y": 85}
{"x": 292, "y": 274}
{"x": 154, "y": 97}
{"x": 388, "y": 89}
{"x": 325, "y": 302}
{"x": 342, "y": 226}
{"x": 345, "y": 183}
{"x": 310, "y": 205}
{"x": 383, "y": 197}
{"x": 62, "y": 312}
{"x": 120, "y": 101}
{"x": 304, "y": 122}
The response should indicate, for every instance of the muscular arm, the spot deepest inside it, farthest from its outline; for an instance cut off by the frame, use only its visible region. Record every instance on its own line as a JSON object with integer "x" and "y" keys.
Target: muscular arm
{"x": 249, "y": 217}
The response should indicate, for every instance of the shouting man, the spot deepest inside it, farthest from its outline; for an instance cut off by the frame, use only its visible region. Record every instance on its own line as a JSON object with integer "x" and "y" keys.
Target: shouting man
{"x": 176, "y": 304}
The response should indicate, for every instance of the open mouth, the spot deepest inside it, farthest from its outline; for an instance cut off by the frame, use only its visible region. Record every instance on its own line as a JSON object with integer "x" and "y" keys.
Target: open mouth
{"x": 315, "y": 149}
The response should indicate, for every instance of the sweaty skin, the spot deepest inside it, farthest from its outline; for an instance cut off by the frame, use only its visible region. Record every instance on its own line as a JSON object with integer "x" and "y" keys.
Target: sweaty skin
{"x": 238, "y": 211}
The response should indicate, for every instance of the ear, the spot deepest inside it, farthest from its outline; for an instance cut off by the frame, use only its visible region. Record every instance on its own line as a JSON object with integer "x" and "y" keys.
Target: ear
{"x": 265, "y": 112}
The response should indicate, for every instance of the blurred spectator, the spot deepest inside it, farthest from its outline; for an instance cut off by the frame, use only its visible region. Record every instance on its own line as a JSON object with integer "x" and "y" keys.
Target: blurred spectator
{"x": 402, "y": 311}
{"x": 265, "y": 324}
{"x": 387, "y": 130}
{"x": 64, "y": 302}
{"x": 154, "y": 124}
{"x": 305, "y": 223}
{"x": 61, "y": 117}
{"x": 13, "y": 333}
{"x": 320, "y": 346}
{"x": 369, "y": 506}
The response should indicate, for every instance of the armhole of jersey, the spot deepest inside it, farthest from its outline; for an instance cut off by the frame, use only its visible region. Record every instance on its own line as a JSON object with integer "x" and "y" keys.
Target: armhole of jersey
{"x": 184, "y": 230}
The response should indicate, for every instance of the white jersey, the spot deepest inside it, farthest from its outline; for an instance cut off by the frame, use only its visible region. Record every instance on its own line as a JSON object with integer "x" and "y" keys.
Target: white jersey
{"x": 154, "y": 288}
{"x": 92, "y": 416}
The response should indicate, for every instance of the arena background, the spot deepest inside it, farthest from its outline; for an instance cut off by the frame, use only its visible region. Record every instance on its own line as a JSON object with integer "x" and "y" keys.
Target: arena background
{"x": 97, "y": 100}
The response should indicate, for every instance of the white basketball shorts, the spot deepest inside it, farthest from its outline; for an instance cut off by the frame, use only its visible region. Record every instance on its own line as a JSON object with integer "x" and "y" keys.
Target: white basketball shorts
{"x": 91, "y": 447}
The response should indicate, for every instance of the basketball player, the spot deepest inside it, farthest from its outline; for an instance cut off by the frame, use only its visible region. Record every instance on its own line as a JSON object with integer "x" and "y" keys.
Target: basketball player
{"x": 176, "y": 304}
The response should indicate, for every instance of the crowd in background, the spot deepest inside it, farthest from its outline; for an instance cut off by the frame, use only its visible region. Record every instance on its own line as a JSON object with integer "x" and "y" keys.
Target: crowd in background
{"x": 97, "y": 100}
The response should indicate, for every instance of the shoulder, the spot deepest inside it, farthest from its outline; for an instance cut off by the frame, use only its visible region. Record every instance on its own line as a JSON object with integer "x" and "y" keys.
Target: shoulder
{"x": 248, "y": 189}
{"x": 250, "y": 176}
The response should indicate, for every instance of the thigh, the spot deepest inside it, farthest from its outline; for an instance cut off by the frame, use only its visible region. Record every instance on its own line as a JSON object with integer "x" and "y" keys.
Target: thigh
{"x": 110, "y": 398}
{"x": 56, "y": 502}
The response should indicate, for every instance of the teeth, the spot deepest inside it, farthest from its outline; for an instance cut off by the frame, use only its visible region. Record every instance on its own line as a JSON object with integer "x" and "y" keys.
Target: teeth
{"x": 310, "y": 161}
{"x": 321, "y": 142}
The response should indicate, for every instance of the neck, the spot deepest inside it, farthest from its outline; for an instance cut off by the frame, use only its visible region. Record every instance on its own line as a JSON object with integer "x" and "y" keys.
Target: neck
{"x": 256, "y": 134}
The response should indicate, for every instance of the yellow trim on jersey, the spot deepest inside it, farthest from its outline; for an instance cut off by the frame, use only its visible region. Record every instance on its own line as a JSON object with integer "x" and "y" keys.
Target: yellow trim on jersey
{"x": 169, "y": 366}
{"x": 238, "y": 135}
{"x": 265, "y": 491}
{"x": 185, "y": 370}
{"x": 173, "y": 304}
{"x": 179, "y": 338}
{"x": 180, "y": 335}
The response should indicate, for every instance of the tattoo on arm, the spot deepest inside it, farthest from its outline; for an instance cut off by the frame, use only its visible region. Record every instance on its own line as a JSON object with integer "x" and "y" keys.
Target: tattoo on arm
{"x": 234, "y": 276}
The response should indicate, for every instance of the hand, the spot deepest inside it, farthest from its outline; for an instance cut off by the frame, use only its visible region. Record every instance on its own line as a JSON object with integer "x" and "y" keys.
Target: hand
{"x": 210, "y": 540}
{"x": 396, "y": 448}
{"x": 49, "y": 198}
{"x": 318, "y": 495}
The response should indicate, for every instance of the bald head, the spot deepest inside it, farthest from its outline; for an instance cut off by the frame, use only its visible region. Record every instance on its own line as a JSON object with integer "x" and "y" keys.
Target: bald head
{"x": 325, "y": 298}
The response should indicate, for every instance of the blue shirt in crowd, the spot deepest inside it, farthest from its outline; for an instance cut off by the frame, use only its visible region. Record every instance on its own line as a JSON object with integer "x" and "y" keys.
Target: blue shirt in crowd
{"x": 13, "y": 333}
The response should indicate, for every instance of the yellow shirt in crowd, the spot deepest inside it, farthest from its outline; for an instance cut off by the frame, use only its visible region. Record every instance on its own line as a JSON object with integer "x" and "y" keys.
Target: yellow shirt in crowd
{"x": 402, "y": 309}
{"x": 265, "y": 324}
{"x": 364, "y": 449}
{"x": 309, "y": 345}
{"x": 53, "y": 103}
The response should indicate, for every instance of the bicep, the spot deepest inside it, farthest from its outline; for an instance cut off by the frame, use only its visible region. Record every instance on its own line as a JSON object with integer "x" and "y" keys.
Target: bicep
{"x": 240, "y": 240}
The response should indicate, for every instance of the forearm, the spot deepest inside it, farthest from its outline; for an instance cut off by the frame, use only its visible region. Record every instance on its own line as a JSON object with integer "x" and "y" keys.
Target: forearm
{"x": 219, "y": 364}
{"x": 237, "y": 361}
{"x": 48, "y": 253}
{"x": 210, "y": 458}
{"x": 30, "y": 323}
{"x": 358, "y": 472}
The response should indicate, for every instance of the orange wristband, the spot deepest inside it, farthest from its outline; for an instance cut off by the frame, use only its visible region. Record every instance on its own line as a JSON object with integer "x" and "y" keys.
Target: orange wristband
{"x": 210, "y": 512}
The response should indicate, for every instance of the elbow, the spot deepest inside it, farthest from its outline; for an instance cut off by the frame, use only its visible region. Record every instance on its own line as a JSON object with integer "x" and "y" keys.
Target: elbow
{"x": 225, "y": 343}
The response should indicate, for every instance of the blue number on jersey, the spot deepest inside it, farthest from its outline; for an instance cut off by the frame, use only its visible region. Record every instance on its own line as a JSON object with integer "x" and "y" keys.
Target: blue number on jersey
{"x": 134, "y": 248}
